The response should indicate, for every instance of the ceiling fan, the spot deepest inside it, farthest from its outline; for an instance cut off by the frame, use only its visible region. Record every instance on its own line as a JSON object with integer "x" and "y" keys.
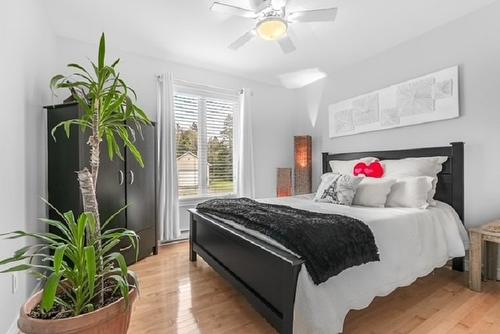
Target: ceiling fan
{"x": 272, "y": 20}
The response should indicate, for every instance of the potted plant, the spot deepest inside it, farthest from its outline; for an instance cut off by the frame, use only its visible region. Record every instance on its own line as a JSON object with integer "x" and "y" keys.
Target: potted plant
{"x": 87, "y": 287}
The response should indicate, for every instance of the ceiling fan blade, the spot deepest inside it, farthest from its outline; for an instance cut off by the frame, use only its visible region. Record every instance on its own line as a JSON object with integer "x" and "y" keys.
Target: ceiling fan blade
{"x": 316, "y": 15}
{"x": 279, "y": 3}
{"x": 259, "y": 5}
{"x": 286, "y": 44}
{"x": 232, "y": 10}
{"x": 247, "y": 37}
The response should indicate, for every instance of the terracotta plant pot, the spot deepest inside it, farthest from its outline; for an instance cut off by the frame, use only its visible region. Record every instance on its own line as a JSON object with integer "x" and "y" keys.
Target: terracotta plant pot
{"x": 113, "y": 318}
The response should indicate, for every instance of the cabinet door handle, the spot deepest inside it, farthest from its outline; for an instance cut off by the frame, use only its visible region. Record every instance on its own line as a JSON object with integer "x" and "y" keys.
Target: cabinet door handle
{"x": 122, "y": 177}
{"x": 132, "y": 177}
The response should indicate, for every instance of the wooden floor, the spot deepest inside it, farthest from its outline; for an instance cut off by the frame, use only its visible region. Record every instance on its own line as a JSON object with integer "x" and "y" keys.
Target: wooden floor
{"x": 178, "y": 296}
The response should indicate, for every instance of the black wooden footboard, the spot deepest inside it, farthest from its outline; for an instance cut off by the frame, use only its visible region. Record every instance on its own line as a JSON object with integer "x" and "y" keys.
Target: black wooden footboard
{"x": 264, "y": 274}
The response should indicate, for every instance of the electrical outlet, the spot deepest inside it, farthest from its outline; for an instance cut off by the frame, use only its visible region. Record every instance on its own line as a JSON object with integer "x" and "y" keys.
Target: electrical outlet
{"x": 14, "y": 282}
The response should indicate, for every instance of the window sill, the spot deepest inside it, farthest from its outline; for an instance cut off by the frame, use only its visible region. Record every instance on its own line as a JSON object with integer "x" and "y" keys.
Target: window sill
{"x": 187, "y": 201}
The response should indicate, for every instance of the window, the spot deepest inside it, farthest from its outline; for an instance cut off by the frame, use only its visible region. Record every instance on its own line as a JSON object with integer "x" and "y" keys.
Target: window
{"x": 205, "y": 150}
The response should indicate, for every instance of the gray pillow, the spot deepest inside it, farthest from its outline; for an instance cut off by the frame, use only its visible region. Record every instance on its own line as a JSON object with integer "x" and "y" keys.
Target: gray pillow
{"x": 338, "y": 189}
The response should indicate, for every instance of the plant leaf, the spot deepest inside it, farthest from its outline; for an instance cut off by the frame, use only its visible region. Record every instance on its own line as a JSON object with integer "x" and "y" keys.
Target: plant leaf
{"x": 102, "y": 52}
{"x": 55, "y": 79}
{"x": 115, "y": 63}
{"x": 20, "y": 267}
{"x": 58, "y": 258}
{"x": 13, "y": 259}
{"x": 136, "y": 280}
{"x": 81, "y": 68}
{"x": 90, "y": 260}
{"x": 113, "y": 216}
{"x": 135, "y": 152}
{"x": 60, "y": 226}
{"x": 70, "y": 221}
{"x": 80, "y": 234}
{"x": 52, "y": 207}
{"x": 123, "y": 285}
{"x": 49, "y": 292}
{"x": 110, "y": 140}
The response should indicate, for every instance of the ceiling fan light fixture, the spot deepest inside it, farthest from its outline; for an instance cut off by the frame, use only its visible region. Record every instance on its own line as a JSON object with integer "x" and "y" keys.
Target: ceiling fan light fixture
{"x": 272, "y": 28}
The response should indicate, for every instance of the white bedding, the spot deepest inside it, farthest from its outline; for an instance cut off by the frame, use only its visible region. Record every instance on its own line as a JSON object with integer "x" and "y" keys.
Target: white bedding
{"x": 411, "y": 243}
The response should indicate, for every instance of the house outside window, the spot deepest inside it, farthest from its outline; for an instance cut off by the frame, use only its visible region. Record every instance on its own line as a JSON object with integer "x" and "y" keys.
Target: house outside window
{"x": 204, "y": 120}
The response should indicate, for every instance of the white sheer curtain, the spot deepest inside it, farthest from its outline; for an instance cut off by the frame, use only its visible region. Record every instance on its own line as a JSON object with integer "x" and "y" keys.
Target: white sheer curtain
{"x": 168, "y": 201}
{"x": 244, "y": 142}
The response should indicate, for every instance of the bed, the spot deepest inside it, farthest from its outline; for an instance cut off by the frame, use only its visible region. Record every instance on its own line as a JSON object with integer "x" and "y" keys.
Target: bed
{"x": 275, "y": 282}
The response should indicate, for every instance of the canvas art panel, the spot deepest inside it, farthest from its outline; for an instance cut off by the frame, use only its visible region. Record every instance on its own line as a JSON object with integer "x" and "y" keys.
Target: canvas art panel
{"x": 429, "y": 98}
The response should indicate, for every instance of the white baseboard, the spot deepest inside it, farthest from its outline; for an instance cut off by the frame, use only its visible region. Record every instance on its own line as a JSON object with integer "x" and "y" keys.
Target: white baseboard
{"x": 13, "y": 326}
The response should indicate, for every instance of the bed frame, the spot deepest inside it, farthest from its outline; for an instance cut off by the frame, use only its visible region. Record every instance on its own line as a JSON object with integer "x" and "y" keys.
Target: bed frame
{"x": 266, "y": 275}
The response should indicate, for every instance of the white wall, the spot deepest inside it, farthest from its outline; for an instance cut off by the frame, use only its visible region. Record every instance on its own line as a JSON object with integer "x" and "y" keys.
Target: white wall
{"x": 30, "y": 54}
{"x": 274, "y": 108}
{"x": 473, "y": 42}
{"x": 25, "y": 66}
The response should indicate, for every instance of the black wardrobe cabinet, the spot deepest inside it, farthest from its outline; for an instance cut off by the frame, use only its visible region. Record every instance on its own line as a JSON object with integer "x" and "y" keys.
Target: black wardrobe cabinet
{"x": 120, "y": 182}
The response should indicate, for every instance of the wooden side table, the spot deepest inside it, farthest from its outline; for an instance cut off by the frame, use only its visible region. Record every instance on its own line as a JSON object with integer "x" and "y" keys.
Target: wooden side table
{"x": 483, "y": 246}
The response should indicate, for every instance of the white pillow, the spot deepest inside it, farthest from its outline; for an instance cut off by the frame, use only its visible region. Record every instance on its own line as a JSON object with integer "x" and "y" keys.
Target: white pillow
{"x": 373, "y": 192}
{"x": 410, "y": 192}
{"x": 326, "y": 179}
{"x": 347, "y": 166}
{"x": 337, "y": 189}
{"x": 426, "y": 166}
{"x": 326, "y": 176}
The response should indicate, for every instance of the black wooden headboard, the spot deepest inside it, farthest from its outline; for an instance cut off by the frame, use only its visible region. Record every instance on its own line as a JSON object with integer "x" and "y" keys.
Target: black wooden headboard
{"x": 450, "y": 187}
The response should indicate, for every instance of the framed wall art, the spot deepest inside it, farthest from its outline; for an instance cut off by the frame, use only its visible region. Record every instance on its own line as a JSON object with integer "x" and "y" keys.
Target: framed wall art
{"x": 429, "y": 98}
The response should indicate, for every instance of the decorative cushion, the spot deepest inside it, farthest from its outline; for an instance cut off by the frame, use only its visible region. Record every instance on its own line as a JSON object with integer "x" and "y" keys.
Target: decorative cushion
{"x": 373, "y": 192}
{"x": 410, "y": 192}
{"x": 347, "y": 166}
{"x": 325, "y": 183}
{"x": 374, "y": 169}
{"x": 337, "y": 189}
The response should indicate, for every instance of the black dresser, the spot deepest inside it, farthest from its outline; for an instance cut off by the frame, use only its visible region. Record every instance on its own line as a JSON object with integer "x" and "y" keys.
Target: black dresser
{"x": 120, "y": 182}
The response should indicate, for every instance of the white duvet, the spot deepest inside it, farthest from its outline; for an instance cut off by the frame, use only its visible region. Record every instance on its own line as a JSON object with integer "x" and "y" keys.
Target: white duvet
{"x": 411, "y": 243}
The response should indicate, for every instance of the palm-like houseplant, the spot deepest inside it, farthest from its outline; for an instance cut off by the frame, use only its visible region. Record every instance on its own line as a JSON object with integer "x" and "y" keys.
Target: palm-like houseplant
{"x": 81, "y": 257}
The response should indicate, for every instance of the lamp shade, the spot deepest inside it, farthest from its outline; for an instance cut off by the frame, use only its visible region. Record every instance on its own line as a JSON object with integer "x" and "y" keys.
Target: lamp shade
{"x": 303, "y": 164}
{"x": 272, "y": 28}
{"x": 284, "y": 182}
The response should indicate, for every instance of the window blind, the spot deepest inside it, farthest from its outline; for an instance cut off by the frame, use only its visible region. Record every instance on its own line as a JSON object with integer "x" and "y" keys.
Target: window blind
{"x": 204, "y": 127}
{"x": 219, "y": 141}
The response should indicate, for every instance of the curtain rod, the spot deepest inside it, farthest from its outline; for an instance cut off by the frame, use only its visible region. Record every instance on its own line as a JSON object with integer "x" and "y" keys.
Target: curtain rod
{"x": 190, "y": 83}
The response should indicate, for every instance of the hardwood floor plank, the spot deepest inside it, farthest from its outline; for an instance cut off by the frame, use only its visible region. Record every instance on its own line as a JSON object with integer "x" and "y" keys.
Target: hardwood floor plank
{"x": 182, "y": 297}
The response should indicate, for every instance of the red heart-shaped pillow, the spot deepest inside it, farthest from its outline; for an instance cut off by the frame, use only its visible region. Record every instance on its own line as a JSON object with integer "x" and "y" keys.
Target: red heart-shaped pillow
{"x": 374, "y": 169}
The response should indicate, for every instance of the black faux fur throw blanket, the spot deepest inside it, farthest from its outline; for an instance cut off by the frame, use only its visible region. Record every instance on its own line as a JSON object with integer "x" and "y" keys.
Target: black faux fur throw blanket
{"x": 329, "y": 243}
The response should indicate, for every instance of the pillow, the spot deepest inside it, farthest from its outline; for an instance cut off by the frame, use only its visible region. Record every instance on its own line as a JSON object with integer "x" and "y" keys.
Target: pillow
{"x": 427, "y": 166}
{"x": 347, "y": 166}
{"x": 373, "y": 192}
{"x": 337, "y": 189}
{"x": 374, "y": 169}
{"x": 326, "y": 176}
{"x": 326, "y": 179}
{"x": 410, "y": 192}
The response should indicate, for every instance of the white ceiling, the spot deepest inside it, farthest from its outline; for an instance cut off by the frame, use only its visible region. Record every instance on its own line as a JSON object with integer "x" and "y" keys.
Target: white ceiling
{"x": 186, "y": 31}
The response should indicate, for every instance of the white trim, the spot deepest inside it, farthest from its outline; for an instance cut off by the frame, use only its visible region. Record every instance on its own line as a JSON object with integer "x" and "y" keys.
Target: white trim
{"x": 203, "y": 93}
{"x": 202, "y": 145}
{"x": 13, "y": 326}
{"x": 211, "y": 92}
{"x": 202, "y": 87}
